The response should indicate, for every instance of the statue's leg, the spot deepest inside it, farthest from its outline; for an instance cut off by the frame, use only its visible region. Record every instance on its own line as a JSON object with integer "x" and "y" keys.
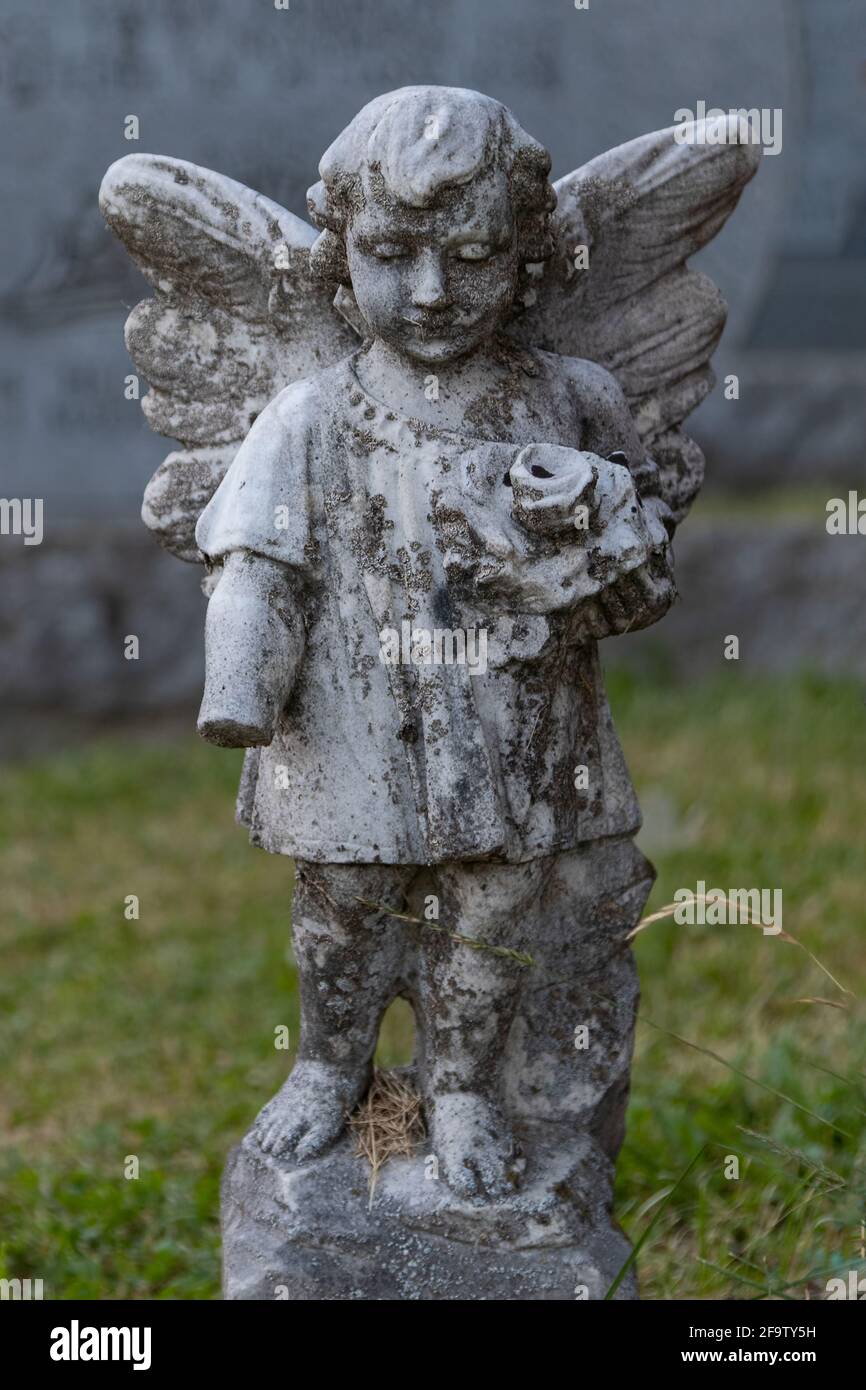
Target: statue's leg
{"x": 350, "y": 959}
{"x": 578, "y": 1019}
{"x": 467, "y": 1003}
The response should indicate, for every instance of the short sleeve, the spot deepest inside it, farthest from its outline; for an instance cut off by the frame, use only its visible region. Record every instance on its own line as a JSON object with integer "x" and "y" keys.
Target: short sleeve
{"x": 264, "y": 502}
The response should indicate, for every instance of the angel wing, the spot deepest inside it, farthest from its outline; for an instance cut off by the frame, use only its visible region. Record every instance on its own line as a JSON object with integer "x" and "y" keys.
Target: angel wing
{"x": 235, "y": 318}
{"x": 641, "y": 210}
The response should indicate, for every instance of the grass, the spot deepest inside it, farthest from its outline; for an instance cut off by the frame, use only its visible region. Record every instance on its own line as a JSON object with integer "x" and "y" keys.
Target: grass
{"x": 760, "y": 787}
{"x": 757, "y": 506}
{"x": 153, "y": 1039}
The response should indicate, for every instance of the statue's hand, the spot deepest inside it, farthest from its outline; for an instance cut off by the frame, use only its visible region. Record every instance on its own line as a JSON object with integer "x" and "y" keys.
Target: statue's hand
{"x": 633, "y": 559}
{"x": 618, "y": 569}
{"x": 633, "y": 601}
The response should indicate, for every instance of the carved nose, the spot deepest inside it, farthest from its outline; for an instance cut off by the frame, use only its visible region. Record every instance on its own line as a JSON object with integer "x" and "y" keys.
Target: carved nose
{"x": 430, "y": 290}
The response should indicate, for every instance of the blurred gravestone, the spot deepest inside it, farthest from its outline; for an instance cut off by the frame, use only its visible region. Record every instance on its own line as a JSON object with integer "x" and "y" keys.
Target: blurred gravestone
{"x": 259, "y": 93}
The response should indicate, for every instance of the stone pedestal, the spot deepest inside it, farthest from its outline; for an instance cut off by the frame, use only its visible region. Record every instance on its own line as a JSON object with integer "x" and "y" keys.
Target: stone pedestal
{"x": 309, "y": 1232}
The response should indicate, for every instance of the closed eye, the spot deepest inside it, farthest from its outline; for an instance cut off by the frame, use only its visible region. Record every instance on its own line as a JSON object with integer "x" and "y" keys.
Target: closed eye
{"x": 388, "y": 251}
{"x": 473, "y": 251}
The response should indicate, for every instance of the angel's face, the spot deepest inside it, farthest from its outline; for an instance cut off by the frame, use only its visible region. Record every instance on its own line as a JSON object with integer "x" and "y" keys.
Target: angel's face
{"x": 434, "y": 282}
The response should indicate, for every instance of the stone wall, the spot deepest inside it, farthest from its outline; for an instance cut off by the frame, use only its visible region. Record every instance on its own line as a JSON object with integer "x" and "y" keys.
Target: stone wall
{"x": 259, "y": 93}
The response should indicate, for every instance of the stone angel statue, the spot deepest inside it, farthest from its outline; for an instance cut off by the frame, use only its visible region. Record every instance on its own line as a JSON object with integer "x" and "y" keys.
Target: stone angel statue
{"x": 454, "y": 406}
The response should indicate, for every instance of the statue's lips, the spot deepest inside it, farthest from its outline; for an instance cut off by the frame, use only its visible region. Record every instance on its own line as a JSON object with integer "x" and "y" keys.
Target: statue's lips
{"x": 432, "y": 328}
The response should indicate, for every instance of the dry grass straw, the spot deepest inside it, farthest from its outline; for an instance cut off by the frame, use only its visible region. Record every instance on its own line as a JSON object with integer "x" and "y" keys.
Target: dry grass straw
{"x": 388, "y": 1123}
{"x": 670, "y": 909}
{"x": 521, "y": 957}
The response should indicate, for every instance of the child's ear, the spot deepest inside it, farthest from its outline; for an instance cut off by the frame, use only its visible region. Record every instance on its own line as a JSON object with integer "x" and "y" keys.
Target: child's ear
{"x": 328, "y": 259}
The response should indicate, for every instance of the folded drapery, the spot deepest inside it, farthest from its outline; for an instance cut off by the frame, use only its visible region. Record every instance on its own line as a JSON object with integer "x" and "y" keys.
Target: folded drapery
{"x": 410, "y": 761}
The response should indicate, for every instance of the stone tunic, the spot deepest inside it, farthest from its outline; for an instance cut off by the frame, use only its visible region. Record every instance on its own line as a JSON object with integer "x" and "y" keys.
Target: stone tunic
{"x": 406, "y": 763}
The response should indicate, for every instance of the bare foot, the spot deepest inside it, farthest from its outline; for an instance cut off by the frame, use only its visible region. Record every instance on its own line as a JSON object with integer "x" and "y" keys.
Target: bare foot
{"x": 475, "y": 1145}
{"x": 309, "y": 1111}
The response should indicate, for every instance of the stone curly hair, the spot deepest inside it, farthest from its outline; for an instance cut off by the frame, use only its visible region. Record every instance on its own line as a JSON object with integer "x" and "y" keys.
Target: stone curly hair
{"x": 411, "y": 144}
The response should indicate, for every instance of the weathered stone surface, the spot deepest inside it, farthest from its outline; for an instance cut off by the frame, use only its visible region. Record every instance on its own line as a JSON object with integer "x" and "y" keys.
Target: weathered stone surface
{"x": 70, "y": 435}
{"x": 309, "y": 1233}
{"x": 236, "y": 317}
{"x": 462, "y": 828}
{"x": 71, "y": 603}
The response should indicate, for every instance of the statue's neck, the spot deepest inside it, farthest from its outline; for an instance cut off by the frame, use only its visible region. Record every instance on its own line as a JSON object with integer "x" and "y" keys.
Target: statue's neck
{"x": 439, "y": 393}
